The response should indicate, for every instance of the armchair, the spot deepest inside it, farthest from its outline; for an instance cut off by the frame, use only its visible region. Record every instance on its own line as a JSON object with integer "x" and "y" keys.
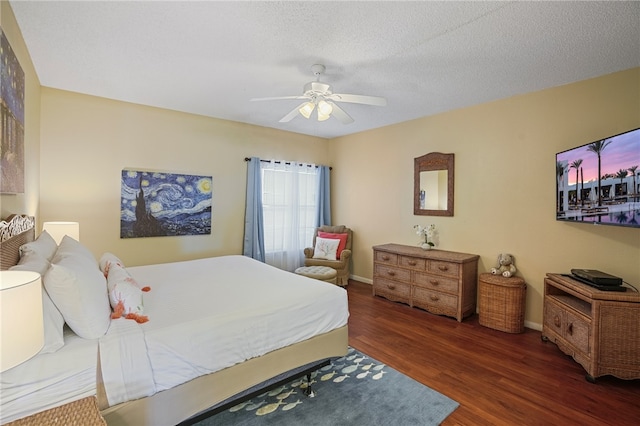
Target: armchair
{"x": 341, "y": 265}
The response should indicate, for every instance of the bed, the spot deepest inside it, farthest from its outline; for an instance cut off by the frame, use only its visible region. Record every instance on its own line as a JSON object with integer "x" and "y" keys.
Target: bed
{"x": 217, "y": 329}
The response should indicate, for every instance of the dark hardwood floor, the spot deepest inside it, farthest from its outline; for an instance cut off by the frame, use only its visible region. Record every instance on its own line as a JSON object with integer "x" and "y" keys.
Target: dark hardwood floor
{"x": 497, "y": 378}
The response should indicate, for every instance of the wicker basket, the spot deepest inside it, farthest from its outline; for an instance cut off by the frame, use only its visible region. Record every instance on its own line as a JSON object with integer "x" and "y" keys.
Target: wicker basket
{"x": 83, "y": 412}
{"x": 502, "y": 302}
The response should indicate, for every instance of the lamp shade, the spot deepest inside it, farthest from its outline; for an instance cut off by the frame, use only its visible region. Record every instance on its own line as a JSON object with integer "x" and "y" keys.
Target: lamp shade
{"x": 59, "y": 229}
{"x": 21, "y": 323}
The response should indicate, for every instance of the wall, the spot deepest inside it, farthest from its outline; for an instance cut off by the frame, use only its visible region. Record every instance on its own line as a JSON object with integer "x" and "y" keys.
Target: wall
{"x": 87, "y": 141}
{"x": 504, "y": 182}
{"x": 28, "y": 201}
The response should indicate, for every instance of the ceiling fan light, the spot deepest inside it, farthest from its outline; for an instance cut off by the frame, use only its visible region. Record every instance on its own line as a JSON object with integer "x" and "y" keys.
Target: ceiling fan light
{"x": 307, "y": 109}
{"x": 324, "y": 110}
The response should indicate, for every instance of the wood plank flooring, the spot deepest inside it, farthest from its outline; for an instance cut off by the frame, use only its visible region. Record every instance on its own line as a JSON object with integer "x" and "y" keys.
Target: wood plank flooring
{"x": 497, "y": 378}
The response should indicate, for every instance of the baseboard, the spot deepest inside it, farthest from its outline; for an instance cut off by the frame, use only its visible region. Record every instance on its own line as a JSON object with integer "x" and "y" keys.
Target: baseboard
{"x": 361, "y": 279}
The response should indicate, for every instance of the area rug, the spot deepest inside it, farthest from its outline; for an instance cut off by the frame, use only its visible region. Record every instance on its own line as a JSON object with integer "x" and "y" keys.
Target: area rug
{"x": 353, "y": 390}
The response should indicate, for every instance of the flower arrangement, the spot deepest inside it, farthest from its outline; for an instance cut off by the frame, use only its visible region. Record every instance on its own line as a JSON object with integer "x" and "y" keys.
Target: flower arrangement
{"x": 427, "y": 234}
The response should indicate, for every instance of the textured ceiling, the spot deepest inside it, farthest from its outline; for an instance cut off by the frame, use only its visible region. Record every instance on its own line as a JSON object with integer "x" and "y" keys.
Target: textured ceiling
{"x": 210, "y": 57}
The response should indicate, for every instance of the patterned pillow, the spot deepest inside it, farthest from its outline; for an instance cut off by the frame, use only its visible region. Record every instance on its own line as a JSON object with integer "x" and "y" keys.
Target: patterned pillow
{"x": 325, "y": 249}
{"x": 125, "y": 296}
{"x": 333, "y": 236}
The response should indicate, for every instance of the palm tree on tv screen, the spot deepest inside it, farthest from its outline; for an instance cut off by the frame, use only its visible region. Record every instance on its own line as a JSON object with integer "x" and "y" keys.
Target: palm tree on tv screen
{"x": 633, "y": 170}
{"x": 622, "y": 173}
{"x": 560, "y": 170}
{"x": 597, "y": 148}
{"x": 576, "y": 165}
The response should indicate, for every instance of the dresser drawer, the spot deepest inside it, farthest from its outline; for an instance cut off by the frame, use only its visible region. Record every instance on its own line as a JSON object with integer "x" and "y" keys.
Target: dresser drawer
{"x": 392, "y": 290}
{"x": 435, "y": 301}
{"x": 392, "y": 273}
{"x": 553, "y": 317}
{"x": 384, "y": 257}
{"x": 413, "y": 263}
{"x": 577, "y": 332}
{"x": 443, "y": 268}
{"x": 435, "y": 282}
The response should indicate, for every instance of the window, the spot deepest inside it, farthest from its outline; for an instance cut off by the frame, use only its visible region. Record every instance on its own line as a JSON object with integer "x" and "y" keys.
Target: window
{"x": 289, "y": 200}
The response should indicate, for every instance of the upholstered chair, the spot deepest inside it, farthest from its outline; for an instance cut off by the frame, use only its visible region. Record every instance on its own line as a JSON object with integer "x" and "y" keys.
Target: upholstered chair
{"x": 341, "y": 265}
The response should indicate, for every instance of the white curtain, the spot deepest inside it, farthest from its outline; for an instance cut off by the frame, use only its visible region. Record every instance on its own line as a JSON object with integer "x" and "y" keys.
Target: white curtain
{"x": 289, "y": 206}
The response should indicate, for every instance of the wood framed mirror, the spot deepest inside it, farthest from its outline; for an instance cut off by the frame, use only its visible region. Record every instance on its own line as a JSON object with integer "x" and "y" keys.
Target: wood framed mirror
{"x": 433, "y": 181}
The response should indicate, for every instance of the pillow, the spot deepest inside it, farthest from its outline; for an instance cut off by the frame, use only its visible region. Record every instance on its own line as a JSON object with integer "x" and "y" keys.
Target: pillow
{"x": 332, "y": 236}
{"x": 53, "y": 320}
{"x": 124, "y": 295}
{"x": 325, "y": 249}
{"x": 71, "y": 248}
{"x": 107, "y": 260}
{"x": 44, "y": 245}
{"x": 78, "y": 289}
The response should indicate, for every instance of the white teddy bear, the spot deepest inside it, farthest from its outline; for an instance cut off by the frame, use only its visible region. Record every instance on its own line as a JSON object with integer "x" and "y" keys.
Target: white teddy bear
{"x": 506, "y": 266}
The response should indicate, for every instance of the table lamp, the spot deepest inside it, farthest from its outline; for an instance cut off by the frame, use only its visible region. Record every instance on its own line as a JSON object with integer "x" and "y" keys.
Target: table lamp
{"x": 58, "y": 230}
{"x": 21, "y": 317}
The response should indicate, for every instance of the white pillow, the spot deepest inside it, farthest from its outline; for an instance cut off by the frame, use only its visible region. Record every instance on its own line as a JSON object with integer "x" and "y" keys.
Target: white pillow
{"x": 79, "y": 290}
{"x": 123, "y": 288}
{"x": 53, "y": 320}
{"x": 71, "y": 248}
{"x": 44, "y": 245}
{"x": 325, "y": 249}
{"x": 107, "y": 260}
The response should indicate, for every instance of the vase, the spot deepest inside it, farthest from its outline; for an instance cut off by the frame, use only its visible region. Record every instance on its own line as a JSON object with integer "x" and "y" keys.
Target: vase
{"x": 425, "y": 246}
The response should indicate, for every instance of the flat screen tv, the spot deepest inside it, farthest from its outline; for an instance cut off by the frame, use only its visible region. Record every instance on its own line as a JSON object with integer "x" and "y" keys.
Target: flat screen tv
{"x": 599, "y": 182}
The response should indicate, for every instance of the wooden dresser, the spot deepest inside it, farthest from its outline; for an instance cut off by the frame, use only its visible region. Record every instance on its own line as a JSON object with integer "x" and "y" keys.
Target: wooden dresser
{"x": 599, "y": 329}
{"x": 441, "y": 282}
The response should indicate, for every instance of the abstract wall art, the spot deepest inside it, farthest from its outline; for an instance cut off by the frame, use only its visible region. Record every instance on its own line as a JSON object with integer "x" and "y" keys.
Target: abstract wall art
{"x": 155, "y": 204}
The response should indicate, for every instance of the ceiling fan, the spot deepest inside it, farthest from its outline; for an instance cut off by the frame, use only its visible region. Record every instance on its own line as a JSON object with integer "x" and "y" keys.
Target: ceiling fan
{"x": 319, "y": 97}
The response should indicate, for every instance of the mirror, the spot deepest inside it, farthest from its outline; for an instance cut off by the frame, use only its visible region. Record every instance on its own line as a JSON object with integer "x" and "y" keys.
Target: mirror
{"x": 433, "y": 184}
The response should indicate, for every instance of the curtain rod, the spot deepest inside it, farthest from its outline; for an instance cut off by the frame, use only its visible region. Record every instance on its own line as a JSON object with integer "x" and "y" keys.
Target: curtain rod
{"x": 279, "y": 162}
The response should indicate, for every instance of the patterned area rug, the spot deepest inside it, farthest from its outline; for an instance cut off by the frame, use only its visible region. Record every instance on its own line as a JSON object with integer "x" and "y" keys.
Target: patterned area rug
{"x": 353, "y": 390}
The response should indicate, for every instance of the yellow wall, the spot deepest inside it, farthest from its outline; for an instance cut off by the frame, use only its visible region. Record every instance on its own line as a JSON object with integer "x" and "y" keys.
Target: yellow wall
{"x": 504, "y": 182}
{"x": 27, "y": 202}
{"x": 87, "y": 141}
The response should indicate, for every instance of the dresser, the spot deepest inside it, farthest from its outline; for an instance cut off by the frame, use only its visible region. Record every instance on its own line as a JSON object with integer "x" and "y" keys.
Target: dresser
{"x": 598, "y": 329}
{"x": 441, "y": 282}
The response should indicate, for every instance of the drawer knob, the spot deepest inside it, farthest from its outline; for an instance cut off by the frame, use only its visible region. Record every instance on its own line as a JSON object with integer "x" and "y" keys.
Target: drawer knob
{"x": 385, "y": 257}
{"x": 391, "y": 286}
{"x": 391, "y": 273}
{"x": 434, "y": 298}
{"x": 556, "y": 321}
{"x": 434, "y": 282}
{"x": 570, "y": 329}
{"x": 412, "y": 262}
{"x": 443, "y": 267}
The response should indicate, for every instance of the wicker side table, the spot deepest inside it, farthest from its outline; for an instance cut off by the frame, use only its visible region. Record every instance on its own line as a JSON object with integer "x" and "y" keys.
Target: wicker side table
{"x": 502, "y": 302}
{"x": 83, "y": 412}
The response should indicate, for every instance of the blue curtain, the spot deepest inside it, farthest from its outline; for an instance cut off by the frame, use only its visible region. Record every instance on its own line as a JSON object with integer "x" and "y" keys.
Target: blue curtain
{"x": 323, "y": 212}
{"x": 253, "y": 220}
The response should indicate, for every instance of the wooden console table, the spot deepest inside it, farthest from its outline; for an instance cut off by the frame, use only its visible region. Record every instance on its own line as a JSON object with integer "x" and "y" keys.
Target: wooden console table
{"x": 441, "y": 282}
{"x": 599, "y": 329}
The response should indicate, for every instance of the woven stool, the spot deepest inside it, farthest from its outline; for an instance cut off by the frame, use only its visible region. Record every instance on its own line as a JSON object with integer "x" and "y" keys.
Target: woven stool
{"x": 83, "y": 412}
{"x": 322, "y": 273}
{"x": 502, "y": 302}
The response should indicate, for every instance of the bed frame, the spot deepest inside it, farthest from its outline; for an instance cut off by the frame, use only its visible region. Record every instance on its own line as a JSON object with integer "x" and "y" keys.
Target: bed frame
{"x": 199, "y": 398}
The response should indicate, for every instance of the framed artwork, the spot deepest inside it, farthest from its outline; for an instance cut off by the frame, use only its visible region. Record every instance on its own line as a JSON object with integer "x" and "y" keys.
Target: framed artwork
{"x": 11, "y": 120}
{"x": 156, "y": 204}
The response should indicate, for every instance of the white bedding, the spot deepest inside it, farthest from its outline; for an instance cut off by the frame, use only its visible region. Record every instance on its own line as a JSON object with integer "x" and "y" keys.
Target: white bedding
{"x": 204, "y": 315}
{"x": 50, "y": 380}
{"x": 235, "y": 309}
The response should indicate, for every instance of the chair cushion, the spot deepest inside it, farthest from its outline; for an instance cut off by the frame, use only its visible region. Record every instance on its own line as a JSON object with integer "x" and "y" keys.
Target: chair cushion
{"x": 334, "y": 236}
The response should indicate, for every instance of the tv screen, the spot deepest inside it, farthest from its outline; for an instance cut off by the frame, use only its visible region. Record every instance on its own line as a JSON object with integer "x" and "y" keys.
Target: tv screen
{"x": 599, "y": 182}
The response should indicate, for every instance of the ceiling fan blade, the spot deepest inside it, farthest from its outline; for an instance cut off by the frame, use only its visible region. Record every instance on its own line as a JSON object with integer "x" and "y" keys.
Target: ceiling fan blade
{"x": 358, "y": 99}
{"x": 340, "y": 114}
{"x": 292, "y": 114}
{"x": 279, "y": 98}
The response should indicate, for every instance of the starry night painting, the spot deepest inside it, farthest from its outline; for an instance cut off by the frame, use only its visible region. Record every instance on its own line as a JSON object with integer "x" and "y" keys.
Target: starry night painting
{"x": 156, "y": 204}
{"x": 12, "y": 120}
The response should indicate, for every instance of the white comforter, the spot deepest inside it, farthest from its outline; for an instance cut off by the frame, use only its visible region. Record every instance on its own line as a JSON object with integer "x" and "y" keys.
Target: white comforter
{"x": 208, "y": 314}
